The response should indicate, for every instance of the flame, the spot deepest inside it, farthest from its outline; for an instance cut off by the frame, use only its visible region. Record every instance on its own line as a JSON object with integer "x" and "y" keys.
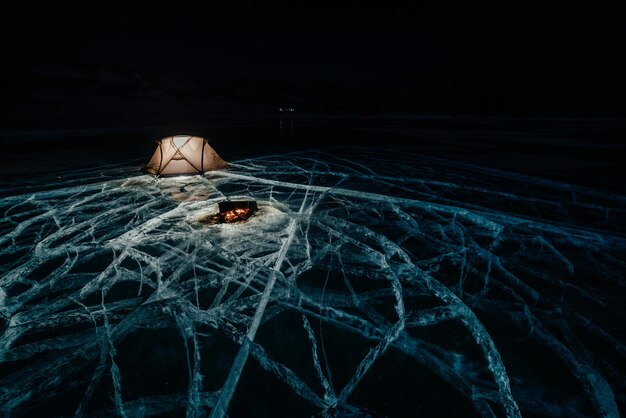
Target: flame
{"x": 236, "y": 215}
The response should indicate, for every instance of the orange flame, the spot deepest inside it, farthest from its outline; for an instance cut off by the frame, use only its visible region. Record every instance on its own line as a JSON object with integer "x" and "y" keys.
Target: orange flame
{"x": 236, "y": 215}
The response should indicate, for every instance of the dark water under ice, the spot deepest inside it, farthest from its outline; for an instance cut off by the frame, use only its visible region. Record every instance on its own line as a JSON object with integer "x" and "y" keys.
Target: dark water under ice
{"x": 370, "y": 283}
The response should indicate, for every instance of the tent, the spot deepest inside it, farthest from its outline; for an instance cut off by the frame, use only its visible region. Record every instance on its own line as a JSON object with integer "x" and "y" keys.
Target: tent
{"x": 183, "y": 154}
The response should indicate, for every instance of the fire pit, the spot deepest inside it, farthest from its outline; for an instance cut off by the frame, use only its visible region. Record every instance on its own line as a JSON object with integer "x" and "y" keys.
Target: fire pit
{"x": 232, "y": 211}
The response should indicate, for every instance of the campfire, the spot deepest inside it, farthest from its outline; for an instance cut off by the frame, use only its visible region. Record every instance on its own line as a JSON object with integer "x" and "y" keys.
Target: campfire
{"x": 232, "y": 211}
{"x": 236, "y": 215}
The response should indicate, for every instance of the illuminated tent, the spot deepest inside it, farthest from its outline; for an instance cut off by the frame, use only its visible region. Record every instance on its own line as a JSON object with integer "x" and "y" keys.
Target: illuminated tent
{"x": 183, "y": 154}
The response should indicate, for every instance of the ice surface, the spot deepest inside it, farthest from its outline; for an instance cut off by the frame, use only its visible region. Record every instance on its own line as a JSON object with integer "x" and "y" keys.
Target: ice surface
{"x": 369, "y": 283}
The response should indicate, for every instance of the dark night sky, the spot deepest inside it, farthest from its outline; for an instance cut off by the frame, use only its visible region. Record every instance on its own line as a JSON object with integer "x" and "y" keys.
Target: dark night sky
{"x": 135, "y": 73}
{"x": 553, "y": 51}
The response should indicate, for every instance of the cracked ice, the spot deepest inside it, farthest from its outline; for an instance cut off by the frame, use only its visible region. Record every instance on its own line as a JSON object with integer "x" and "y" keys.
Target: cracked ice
{"x": 368, "y": 284}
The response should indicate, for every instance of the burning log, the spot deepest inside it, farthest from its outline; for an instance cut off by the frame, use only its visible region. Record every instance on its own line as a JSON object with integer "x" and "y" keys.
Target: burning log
{"x": 237, "y": 210}
{"x": 236, "y": 215}
{"x": 232, "y": 211}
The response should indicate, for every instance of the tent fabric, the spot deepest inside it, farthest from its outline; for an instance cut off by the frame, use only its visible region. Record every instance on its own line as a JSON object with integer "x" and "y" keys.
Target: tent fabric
{"x": 183, "y": 154}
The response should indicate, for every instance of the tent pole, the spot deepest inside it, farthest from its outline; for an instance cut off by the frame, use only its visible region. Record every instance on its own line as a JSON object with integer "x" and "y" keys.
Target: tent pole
{"x": 202, "y": 158}
{"x": 160, "y": 158}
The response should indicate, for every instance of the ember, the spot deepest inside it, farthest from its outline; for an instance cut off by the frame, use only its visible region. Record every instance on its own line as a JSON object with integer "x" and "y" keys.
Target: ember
{"x": 236, "y": 215}
{"x": 232, "y": 212}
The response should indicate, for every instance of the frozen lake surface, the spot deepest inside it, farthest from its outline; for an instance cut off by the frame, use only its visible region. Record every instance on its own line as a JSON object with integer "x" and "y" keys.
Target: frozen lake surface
{"x": 370, "y": 283}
